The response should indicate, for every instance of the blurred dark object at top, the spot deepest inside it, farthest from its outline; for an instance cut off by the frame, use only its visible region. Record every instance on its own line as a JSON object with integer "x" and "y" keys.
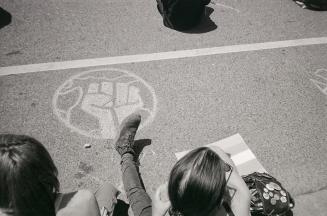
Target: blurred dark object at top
{"x": 182, "y": 15}
{"x": 5, "y": 18}
{"x": 318, "y": 5}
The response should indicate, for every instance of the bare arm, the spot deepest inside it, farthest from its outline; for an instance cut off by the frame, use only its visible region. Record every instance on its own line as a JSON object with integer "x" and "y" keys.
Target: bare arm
{"x": 82, "y": 203}
{"x": 160, "y": 201}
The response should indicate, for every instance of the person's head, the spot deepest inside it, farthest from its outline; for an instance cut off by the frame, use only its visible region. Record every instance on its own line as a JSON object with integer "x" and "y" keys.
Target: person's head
{"x": 197, "y": 183}
{"x": 28, "y": 177}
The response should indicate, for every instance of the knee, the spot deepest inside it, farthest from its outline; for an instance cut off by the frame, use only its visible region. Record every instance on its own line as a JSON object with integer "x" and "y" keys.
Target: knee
{"x": 106, "y": 196}
{"x": 85, "y": 195}
{"x": 109, "y": 188}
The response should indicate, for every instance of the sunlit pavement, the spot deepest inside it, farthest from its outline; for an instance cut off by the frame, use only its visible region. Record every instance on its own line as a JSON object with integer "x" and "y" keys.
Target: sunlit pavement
{"x": 275, "y": 98}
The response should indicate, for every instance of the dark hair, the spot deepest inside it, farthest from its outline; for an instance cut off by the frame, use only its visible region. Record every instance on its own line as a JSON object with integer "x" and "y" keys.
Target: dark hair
{"x": 197, "y": 183}
{"x": 28, "y": 176}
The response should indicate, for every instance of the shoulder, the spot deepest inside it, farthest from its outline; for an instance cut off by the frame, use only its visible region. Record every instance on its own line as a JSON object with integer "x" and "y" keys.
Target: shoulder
{"x": 81, "y": 202}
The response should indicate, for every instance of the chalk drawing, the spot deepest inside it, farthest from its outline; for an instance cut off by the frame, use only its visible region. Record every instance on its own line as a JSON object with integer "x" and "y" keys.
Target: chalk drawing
{"x": 321, "y": 84}
{"x": 224, "y": 6}
{"x": 95, "y": 102}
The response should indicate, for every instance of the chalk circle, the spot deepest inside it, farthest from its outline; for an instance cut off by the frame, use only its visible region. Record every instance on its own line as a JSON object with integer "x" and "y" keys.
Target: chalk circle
{"x": 95, "y": 102}
{"x": 320, "y": 80}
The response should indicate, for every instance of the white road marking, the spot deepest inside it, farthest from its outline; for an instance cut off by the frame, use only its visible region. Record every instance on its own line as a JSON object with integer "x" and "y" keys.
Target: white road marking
{"x": 31, "y": 68}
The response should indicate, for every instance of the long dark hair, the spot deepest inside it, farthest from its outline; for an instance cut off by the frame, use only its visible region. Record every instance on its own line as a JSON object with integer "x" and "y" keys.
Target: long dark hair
{"x": 28, "y": 177}
{"x": 197, "y": 183}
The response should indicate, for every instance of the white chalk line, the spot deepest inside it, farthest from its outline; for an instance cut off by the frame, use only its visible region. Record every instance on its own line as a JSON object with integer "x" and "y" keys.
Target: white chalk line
{"x": 322, "y": 86}
{"x": 31, "y": 68}
{"x": 74, "y": 128}
{"x": 225, "y": 6}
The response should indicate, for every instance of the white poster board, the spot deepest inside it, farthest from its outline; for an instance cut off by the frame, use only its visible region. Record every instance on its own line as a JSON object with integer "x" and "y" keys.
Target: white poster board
{"x": 244, "y": 159}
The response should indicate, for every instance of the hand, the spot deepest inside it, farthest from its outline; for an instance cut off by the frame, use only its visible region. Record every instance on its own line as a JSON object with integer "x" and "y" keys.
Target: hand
{"x": 110, "y": 103}
{"x": 160, "y": 201}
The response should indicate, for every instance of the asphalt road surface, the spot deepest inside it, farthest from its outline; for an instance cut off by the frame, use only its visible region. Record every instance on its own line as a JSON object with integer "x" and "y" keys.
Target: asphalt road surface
{"x": 276, "y": 98}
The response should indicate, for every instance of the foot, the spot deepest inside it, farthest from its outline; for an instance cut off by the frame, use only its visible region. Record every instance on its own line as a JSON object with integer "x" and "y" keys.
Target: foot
{"x": 125, "y": 141}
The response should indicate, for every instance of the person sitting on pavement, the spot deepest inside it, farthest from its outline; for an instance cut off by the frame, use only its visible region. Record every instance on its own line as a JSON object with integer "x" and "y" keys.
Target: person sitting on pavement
{"x": 29, "y": 185}
{"x": 203, "y": 182}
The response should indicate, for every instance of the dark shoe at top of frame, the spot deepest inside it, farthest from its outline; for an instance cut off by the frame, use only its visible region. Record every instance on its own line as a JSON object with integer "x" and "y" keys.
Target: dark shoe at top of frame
{"x": 5, "y": 18}
{"x": 318, "y": 5}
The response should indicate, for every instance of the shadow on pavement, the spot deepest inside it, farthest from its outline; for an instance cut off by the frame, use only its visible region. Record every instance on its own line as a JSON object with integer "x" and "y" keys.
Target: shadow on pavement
{"x": 140, "y": 144}
{"x": 5, "y": 18}
{"x": 121, "y": 209}
{"x": 315, "y": 5}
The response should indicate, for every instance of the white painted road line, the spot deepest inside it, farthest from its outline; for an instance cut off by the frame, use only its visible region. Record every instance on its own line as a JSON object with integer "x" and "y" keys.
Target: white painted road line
{"x": 31, "y": 68}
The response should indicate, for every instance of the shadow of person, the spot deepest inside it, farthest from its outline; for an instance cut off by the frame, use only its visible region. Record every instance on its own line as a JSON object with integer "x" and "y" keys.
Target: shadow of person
{"x": 205, "y": 25}
{"x": 5, "y": 18}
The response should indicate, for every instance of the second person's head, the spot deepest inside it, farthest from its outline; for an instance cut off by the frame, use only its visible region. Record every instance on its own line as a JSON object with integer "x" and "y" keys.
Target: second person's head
{"x": 197, "y": 183}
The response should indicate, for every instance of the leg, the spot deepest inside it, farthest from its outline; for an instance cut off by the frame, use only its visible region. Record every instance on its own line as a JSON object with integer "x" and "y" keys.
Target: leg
{"x": 106, "y": 196}
{"x": 129, "y": 151}
{"x": 135, "y": 191}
